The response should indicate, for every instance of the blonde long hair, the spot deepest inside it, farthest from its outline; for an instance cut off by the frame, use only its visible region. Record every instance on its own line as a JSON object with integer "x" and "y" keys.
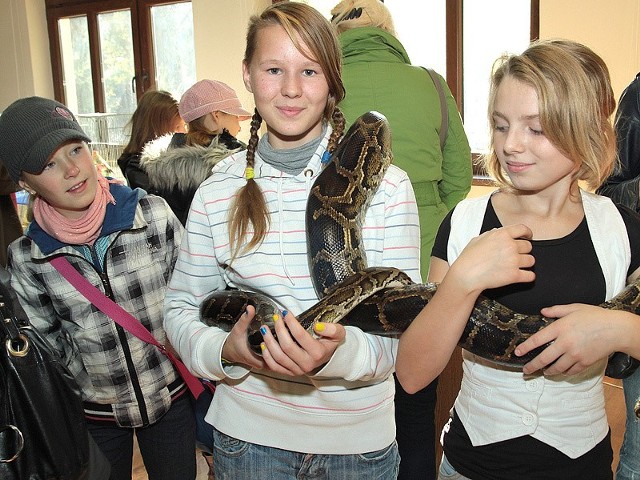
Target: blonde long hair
{"x": 198, "y": 133}
{"x": 307, "y": 26}
{"x": 574, "y": 117}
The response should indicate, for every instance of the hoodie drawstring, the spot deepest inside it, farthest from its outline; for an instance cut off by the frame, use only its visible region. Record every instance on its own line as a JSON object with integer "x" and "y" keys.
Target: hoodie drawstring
{"x": 283, "y": 258}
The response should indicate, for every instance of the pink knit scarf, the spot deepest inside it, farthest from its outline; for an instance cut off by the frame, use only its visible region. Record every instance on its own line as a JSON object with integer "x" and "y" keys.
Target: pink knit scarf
{"x": 84, "y": 230}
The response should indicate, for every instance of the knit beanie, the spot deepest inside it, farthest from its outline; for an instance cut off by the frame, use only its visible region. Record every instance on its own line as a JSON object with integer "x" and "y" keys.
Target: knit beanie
{"x": 31, "y": 130}
{"x": 208, "y": 96}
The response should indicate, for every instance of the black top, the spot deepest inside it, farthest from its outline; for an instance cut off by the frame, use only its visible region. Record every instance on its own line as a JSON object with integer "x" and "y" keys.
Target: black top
{"x": 623, "y": 186}
{"x": 129, "y": 164}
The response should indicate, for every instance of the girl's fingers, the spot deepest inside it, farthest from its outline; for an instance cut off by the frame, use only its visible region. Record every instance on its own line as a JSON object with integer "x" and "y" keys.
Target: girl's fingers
{"x": 273, "y": 355}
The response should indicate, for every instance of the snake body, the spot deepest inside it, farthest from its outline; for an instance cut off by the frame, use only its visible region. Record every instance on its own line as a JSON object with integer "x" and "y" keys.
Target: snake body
{"x": 381, "y": 301}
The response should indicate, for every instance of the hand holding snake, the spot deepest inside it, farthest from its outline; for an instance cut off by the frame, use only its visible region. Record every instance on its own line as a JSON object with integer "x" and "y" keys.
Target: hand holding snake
{"x": 381, "y": 301}
{"x": 496, "y": 258}
{"x": 577, "y": 339}
{"x": 292, "y": 350}
{"x": 236, "y": 348}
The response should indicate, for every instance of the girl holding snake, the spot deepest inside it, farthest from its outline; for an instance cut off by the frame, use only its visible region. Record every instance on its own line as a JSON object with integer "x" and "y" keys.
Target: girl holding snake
{"x": 311, "y": 406}
{"x": 544, "y": 246}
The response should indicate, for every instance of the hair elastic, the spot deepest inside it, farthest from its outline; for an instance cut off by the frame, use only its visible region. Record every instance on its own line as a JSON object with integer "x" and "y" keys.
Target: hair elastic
{"x": 248, "y": 173}
{"x": 326, "y": 156}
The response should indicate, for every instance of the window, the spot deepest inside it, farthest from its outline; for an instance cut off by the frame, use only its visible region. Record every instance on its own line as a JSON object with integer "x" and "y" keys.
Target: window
{"x": 116, "y": 61}
{"x": 76, "y": 63}
{"x": 490, "y": 29}
{"x": 175, "y": 67}
{"x": 460, "y": 39}
{"x": 106, "y": 53}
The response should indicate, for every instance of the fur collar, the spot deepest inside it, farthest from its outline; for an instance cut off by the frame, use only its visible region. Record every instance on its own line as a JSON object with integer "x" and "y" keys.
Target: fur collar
{"x": 185, "y": 167}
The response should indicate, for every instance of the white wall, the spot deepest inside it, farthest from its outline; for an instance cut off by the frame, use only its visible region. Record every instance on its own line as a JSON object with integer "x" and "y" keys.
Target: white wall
{"x": 39, "y": 57}
{"x": 10, "y": 68}
{"x": 611, "y": 29}
{"x": 220, "y": 28}
{"x": 25, "y": 68}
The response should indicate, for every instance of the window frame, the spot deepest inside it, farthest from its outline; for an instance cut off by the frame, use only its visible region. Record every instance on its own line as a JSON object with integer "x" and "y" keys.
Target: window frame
{"x": 455, "y": 67}
{"x": 141, "y": 33}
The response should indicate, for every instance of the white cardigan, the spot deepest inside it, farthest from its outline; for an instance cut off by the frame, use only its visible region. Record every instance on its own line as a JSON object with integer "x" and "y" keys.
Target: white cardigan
{"x": 497, "y": 403}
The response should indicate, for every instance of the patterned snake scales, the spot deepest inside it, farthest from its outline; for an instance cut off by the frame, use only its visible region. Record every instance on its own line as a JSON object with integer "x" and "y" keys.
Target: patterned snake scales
{"x": 381, "y": 301}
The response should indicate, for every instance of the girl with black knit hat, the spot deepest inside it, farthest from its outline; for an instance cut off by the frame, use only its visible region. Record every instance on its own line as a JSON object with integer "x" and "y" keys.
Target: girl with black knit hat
{"x": 125, "y": 243}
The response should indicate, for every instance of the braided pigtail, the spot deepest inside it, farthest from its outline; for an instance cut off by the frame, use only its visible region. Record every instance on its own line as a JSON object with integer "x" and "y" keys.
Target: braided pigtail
{"x": 338, "y": 121}
{"x": 249, "y": 207}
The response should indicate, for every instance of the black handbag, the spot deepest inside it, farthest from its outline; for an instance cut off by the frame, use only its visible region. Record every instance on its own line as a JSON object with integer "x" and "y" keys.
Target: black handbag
{"x": 43, "y": 434}
{"x": 621, "y": 365}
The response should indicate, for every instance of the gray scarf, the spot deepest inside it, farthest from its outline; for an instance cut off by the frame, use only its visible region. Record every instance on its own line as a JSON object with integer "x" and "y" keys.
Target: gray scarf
{"x": 291, "y": 161}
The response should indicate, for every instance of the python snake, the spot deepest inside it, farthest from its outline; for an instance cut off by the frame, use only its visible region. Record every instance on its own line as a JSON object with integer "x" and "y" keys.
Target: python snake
{"x": 381, "y": 301}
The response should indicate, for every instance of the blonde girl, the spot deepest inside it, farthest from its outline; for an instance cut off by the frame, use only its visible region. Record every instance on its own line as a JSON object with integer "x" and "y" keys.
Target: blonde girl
{"x": 546, "y": 246}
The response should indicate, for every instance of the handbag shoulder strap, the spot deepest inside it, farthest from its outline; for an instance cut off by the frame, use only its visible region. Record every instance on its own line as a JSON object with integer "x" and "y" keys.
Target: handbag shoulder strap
{"x": 122, "y": 318}
{"x": 444, "y": 111}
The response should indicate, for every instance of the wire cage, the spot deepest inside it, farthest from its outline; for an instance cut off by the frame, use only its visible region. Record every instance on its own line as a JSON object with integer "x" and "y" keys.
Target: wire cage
{"x": 108, "y": 139}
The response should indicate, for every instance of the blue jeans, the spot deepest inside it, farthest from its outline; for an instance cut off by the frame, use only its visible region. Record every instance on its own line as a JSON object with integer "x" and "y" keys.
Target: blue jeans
{"x": 167, "y": 447}
{"x": 629, "y": 466}
{"x": 234, "y": 459}
{"x": 447, "y": 472}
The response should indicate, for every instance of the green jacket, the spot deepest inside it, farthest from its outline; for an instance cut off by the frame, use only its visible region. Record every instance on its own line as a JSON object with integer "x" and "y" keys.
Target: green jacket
{"x": 378, "y": 75}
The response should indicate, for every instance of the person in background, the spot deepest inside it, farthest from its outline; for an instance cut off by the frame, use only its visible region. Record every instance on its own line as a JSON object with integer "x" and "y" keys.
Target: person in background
{"x": 178, "y": 163}
{"x": 378, "y": 75}
{"x": 123, "y": 241}
{"x": 311, "y": 406}
{"x": 156, "y": 115}
{"x": 10, "y": 226}
{"x": 545, "y": 246}
{"x": 622, "y": 187}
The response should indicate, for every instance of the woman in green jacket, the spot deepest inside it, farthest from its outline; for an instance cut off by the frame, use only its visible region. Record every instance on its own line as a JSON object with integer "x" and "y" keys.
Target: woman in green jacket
{"x": 378, "y": 75}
